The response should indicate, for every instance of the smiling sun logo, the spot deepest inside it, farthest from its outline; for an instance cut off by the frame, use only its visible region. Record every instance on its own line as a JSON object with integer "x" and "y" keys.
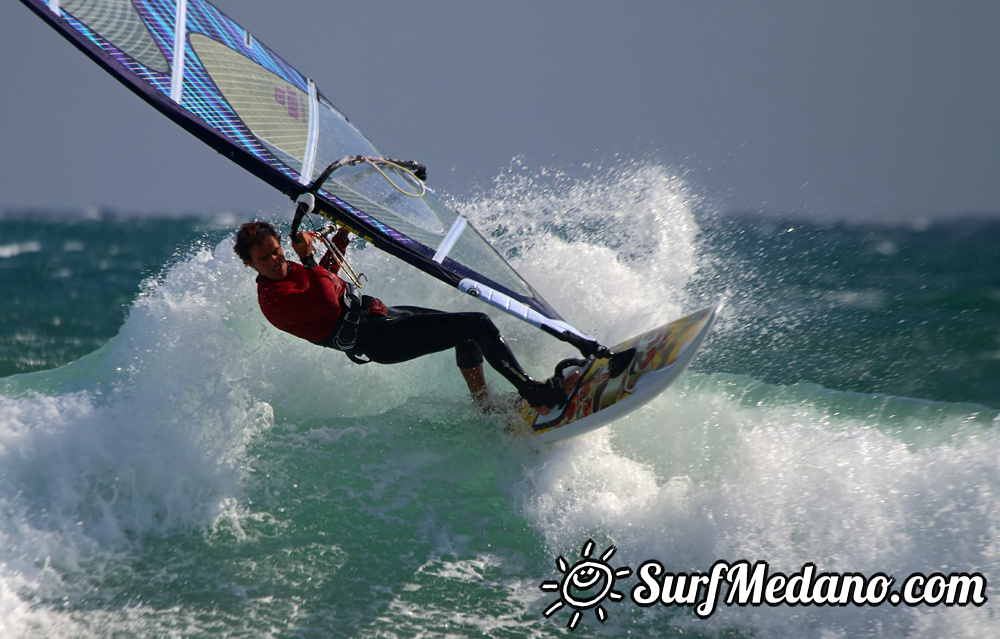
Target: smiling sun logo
{"x": 586, "y": 585}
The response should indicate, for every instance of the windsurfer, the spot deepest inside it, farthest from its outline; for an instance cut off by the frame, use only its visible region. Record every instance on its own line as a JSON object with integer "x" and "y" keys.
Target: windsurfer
{"x": 311, "y": 301}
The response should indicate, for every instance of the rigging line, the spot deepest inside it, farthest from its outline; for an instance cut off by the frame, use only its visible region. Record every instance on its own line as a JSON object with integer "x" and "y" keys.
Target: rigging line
{"x": 353, "y": 160}
{"x": 338, "y": 257}
{"x": 374, "y": 162}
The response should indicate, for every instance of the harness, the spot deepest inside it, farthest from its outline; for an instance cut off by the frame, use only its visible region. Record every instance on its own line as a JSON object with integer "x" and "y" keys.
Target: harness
{"x": 345, "y": 336}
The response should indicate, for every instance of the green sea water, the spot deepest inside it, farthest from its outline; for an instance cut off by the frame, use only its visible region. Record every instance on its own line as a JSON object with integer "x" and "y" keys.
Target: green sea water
{"x": 171, "y": 466}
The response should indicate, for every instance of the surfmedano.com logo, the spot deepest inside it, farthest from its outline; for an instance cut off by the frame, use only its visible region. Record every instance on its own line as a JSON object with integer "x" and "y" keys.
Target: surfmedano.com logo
{"x": 586, "y": 585}
{"x": 589, "y": 582}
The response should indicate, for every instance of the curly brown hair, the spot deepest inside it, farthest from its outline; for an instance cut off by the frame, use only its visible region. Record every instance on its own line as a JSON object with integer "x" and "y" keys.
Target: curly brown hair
{"x": 250, "y": 235}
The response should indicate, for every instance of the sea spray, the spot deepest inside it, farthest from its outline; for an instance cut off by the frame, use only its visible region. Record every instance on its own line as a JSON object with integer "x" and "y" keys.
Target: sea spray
{"x": 145, "y": 437}
{"x": 613, "y": 253}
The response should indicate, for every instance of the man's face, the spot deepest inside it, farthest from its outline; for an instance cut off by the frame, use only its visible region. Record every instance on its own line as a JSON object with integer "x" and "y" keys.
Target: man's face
{"x": 268, "y": 259}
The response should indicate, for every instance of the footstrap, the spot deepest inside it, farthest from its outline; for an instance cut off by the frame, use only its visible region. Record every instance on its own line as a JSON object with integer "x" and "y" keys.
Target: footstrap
{"x": 544, "y": 422}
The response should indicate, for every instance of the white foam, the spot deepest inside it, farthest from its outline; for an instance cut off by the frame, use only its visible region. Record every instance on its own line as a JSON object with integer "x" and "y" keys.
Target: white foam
{"x": 144, "y": 437}
{"x": 699, "y": 477}
{"x": 20, "y": 248}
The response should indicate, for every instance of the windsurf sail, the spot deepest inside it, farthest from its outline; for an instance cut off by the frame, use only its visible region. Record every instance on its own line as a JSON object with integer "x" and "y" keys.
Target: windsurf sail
{"x": 211, "y": 76}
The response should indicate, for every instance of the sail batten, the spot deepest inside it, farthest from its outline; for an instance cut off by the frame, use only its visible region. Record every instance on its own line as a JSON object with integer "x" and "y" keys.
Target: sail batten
{"x": 449, "y": 241}
{"x": 305, "y": 175}
{"x": 180, "y": 40}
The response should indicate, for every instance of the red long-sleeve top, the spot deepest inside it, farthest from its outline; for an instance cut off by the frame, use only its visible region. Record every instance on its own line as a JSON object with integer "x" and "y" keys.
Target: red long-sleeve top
{"x": 307, "y": 302}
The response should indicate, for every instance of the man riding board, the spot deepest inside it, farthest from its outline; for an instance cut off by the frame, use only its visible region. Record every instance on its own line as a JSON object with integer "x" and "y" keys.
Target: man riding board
{"x": 309, "y": 300}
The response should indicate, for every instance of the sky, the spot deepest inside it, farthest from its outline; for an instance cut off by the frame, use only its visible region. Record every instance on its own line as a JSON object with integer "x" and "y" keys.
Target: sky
{"x": 858, "y": 110}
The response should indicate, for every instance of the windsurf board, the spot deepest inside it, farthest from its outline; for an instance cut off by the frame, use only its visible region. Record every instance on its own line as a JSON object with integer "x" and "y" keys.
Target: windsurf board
{"x": 604, "y": 394}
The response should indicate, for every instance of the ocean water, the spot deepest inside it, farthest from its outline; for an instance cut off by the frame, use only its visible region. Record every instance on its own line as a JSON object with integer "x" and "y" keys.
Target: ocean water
{"x": 171, "y": 466}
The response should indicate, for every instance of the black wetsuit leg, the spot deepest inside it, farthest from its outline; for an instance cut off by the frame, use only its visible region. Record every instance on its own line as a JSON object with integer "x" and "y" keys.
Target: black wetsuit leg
{"x": 409, "y": 332}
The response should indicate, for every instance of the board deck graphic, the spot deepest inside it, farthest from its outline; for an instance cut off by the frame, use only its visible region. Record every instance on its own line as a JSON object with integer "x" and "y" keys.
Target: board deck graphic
{"x": 661, "y": 355}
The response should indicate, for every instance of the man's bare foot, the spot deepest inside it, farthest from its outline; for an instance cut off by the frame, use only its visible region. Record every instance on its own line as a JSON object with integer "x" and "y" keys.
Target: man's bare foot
{"x": 568, "y": 383}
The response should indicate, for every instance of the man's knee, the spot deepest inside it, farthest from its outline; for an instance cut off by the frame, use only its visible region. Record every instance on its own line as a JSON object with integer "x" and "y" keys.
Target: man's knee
{"x": 485, "y": 325}
{"x": 468, "y": 355}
